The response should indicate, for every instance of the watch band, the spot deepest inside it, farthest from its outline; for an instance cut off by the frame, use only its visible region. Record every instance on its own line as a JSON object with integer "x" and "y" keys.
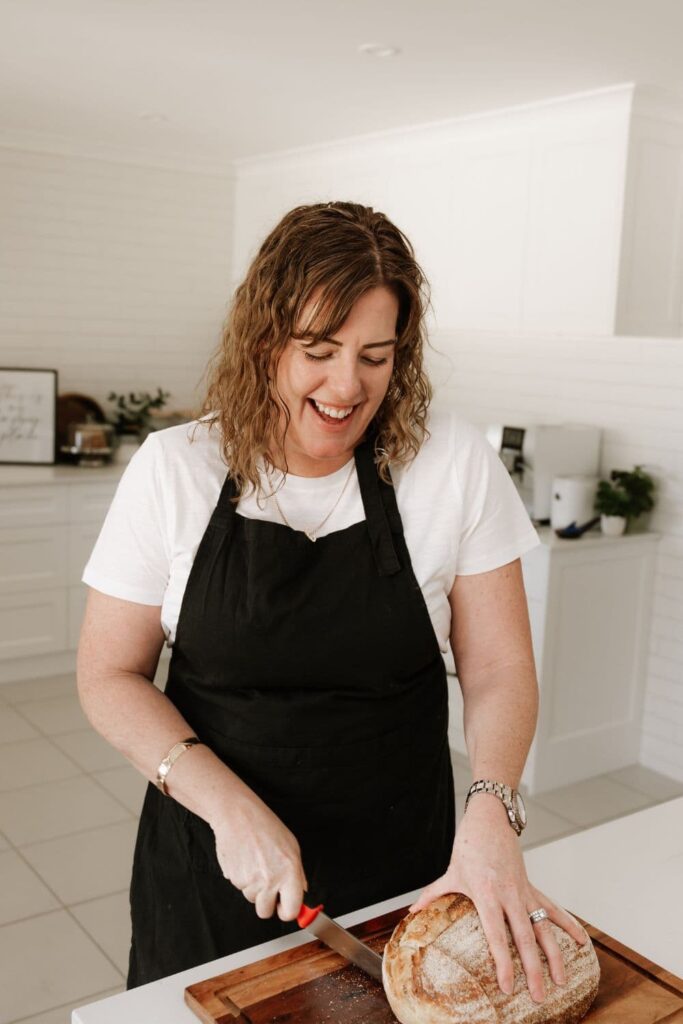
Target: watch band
{"x": 174, "y": 753}
{"x": 509, "y": 797}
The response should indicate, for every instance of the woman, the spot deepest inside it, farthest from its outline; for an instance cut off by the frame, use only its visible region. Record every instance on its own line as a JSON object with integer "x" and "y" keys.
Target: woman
{"x": 309, "y": 547}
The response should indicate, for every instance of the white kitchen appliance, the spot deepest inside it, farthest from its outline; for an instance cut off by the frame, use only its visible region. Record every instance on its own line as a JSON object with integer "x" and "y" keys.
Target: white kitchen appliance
{"x": 572, "y": 500}
{"x": 536, "y": 455}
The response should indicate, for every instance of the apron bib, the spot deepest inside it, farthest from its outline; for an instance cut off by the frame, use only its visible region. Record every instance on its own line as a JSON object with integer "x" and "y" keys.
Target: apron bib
{"x": 313, "y": 671}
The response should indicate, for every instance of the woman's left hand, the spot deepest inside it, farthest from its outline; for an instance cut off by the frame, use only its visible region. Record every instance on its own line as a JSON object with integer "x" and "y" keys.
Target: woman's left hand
{"x": 488, "y": 867}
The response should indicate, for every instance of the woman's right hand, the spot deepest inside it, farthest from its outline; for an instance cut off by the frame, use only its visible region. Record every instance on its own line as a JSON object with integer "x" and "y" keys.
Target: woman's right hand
{"x": 261, "y": 857}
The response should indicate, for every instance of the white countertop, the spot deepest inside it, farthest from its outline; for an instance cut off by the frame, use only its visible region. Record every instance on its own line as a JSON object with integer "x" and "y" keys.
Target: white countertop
{"x": 60, "y": 473}
{"x": 624, "y": 877}
{"x": 593, "y": 537}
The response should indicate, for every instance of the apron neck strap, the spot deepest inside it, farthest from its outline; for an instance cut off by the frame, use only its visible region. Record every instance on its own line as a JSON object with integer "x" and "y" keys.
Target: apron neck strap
{"x": 379, "y": 502}
{"x": 224, "y": 511}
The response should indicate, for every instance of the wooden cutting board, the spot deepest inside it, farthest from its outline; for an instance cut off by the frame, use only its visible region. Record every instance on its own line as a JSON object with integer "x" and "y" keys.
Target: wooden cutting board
{"x": 312, "y": 985}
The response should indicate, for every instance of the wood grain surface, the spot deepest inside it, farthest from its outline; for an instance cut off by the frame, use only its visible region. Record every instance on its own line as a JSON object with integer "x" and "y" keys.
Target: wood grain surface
{"x": 313, "y": 985}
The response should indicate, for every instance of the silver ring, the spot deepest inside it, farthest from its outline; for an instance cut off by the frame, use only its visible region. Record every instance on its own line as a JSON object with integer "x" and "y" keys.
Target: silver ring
{"x": 538, "y": 915}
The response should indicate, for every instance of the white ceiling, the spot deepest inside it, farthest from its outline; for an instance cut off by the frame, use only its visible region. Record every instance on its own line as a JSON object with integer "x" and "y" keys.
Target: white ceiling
{"x": 237, "y": 79}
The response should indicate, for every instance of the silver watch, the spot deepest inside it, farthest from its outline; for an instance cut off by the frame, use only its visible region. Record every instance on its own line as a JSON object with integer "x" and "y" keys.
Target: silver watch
{"x": 514, "y": 805}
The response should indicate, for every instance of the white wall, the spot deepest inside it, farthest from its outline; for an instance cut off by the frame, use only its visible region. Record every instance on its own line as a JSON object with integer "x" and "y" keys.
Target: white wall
{"x": 631, "y": 387}
{"x": 116, "y": 275}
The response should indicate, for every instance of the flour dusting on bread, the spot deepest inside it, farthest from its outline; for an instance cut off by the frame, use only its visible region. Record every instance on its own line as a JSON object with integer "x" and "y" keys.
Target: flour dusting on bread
{"x": 438, "y": 970}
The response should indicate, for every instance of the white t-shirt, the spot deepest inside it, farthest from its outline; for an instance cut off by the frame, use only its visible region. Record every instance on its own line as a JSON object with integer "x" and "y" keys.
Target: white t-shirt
{"x": 460, "y": 509}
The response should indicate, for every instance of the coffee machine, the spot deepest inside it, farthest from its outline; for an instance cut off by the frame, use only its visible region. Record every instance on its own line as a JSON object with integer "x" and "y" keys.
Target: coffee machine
{"x": 535, "y": 455}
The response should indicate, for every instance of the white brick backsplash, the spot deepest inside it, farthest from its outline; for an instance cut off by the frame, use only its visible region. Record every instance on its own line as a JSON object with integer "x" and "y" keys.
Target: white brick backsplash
{"x": 665, "y": 689}
{"x": 666, "y": 626}
{"x": 655, "y": 726}
{"x": 672, "y": 650}
{"x": 668, "y": 711}
{"x": 669, "y": 608}
{"x": 662, "y": 755}
{"x": 666, "y": 670}
{"x": 115, "y": 275}
{"x": 670, "y": 587}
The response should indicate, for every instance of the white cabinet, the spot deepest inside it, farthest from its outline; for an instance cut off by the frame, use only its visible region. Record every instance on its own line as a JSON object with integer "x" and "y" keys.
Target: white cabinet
{"x": 32, "y": 623}
{"x": 49, "y": 520}
{"x": 589, "y": 606}
{"x": 32, "y": 557}
{"x": 650, "y": 300}
{"x": 563, "y": 217}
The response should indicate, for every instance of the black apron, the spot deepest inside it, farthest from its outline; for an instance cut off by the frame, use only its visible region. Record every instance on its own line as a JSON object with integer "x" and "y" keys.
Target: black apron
{"x": 313, "y": 671}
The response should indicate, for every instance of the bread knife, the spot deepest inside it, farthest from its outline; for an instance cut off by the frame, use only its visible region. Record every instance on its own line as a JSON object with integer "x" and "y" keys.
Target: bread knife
{"x": 341, "y": 941}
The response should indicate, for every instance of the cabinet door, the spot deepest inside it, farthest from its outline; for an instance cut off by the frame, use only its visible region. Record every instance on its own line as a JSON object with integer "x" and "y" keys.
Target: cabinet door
{"x": 32, "y": 558}
{"x": 77, "y": 598}
{"x": 82, "y": 537}
{"x": 88, "y": 503}
{"x": 26, "y": 506}
{"x": 33, "y": 623}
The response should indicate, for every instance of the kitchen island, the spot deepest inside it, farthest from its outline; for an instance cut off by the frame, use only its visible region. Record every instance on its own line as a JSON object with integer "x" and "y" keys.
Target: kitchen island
{"x": 624, "y": 877}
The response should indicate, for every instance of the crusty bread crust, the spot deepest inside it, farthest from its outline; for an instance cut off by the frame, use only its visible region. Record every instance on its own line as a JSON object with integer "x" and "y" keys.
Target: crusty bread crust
{"x": 438, "y": 970}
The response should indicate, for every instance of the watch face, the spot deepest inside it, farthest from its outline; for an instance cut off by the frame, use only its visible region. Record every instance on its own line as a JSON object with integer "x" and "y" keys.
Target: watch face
{"x": 521, "y": 809}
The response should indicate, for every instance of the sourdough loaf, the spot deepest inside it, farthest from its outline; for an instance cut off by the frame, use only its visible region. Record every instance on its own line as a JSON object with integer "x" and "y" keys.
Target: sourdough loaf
{"x": 438, "y": 970}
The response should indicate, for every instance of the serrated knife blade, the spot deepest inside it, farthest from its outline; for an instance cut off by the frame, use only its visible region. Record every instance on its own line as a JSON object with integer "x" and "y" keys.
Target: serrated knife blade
{"x": 340, "y": 940}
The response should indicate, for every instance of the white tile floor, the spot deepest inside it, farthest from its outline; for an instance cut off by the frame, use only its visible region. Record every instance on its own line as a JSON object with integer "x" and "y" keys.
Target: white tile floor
{"x": 68, "y": 818}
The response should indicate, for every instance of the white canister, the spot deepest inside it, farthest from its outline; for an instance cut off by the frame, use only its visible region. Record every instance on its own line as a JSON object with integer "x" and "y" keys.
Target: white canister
{"x": 572, "y": 500}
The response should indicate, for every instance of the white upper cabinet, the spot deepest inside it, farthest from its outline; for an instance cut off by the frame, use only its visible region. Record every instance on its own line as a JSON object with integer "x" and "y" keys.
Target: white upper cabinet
{"x": 560, "y": 217}
{"x": 651, "y": 273}
{"x": 536, "y": 206}
{"x": 568, "y": 217}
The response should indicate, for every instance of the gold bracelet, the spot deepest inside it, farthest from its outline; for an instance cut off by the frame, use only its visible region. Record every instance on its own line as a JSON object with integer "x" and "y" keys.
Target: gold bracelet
{"x": 174, "y": 753}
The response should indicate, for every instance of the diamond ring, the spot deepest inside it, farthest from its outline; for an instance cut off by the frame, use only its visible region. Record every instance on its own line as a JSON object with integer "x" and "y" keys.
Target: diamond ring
{"x": 538, "y": 915}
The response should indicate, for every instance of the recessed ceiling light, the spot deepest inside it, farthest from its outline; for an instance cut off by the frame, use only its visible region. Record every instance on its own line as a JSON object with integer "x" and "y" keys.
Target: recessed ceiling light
{"x": 153, "y": 118}
{"x": 378, "y": 50}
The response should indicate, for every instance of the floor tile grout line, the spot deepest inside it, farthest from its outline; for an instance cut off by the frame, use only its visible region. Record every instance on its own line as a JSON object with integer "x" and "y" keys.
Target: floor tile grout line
{"x": 93, "y": 996}
{"x": 114, "y": 797}
{"x": 76, "y": 832}
{"x": 50, "y": 737}
{"x": 65, "y": 752}
{"x": 21, "y": 856}
{"x": 625, "y": 814}
{"x": 95, "y": 942}
{"x": 609, "y": 776}
{"x": 103, "y": 896}
{"x": 62, "y": 904}
{"x": 539, "y": 798}
{"x": 62, "y": 907}
{"x": 18, "y": 701}
{"x": 81, "y": 772}
{"x": 603, "y": 775}
{"x": 624, "y": 785}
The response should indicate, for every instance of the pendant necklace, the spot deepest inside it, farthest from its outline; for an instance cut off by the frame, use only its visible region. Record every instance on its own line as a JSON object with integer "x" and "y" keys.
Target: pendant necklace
{"x": 313, "y": 534}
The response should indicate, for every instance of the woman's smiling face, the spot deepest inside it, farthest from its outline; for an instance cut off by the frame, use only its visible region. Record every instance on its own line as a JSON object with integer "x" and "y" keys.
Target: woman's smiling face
{"x": 334, "y": 387}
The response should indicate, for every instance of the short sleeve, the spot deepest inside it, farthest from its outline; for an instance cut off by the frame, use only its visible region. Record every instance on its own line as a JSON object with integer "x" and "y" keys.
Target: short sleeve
{"x": 495, "y": 525}
{"x": 130, "y": 559}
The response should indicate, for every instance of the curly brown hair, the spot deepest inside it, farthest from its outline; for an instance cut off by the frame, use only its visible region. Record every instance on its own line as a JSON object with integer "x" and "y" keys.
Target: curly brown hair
{"x": 340, "y": 249}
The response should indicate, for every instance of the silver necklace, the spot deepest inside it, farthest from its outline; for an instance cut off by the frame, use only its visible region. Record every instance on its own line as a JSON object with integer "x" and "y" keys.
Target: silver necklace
{"x": 313, "y": 534}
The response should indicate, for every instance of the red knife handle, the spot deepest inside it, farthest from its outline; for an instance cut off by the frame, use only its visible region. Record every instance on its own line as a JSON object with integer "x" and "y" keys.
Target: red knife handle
{"x": 307, "y": 915}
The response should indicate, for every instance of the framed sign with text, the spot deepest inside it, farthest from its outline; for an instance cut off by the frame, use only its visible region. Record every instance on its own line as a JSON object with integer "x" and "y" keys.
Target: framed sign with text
{"x": 28, "y": 416}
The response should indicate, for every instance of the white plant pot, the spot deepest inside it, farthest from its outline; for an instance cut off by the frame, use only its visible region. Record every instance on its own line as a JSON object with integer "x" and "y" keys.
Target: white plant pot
{"x": 613, "y": 526}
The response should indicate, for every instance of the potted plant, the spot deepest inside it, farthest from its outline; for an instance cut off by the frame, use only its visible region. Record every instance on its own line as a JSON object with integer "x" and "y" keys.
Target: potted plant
{"x": 131, "y": 418}
{"x": 625, "y": 495}
{"x": 640, "y": 488}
